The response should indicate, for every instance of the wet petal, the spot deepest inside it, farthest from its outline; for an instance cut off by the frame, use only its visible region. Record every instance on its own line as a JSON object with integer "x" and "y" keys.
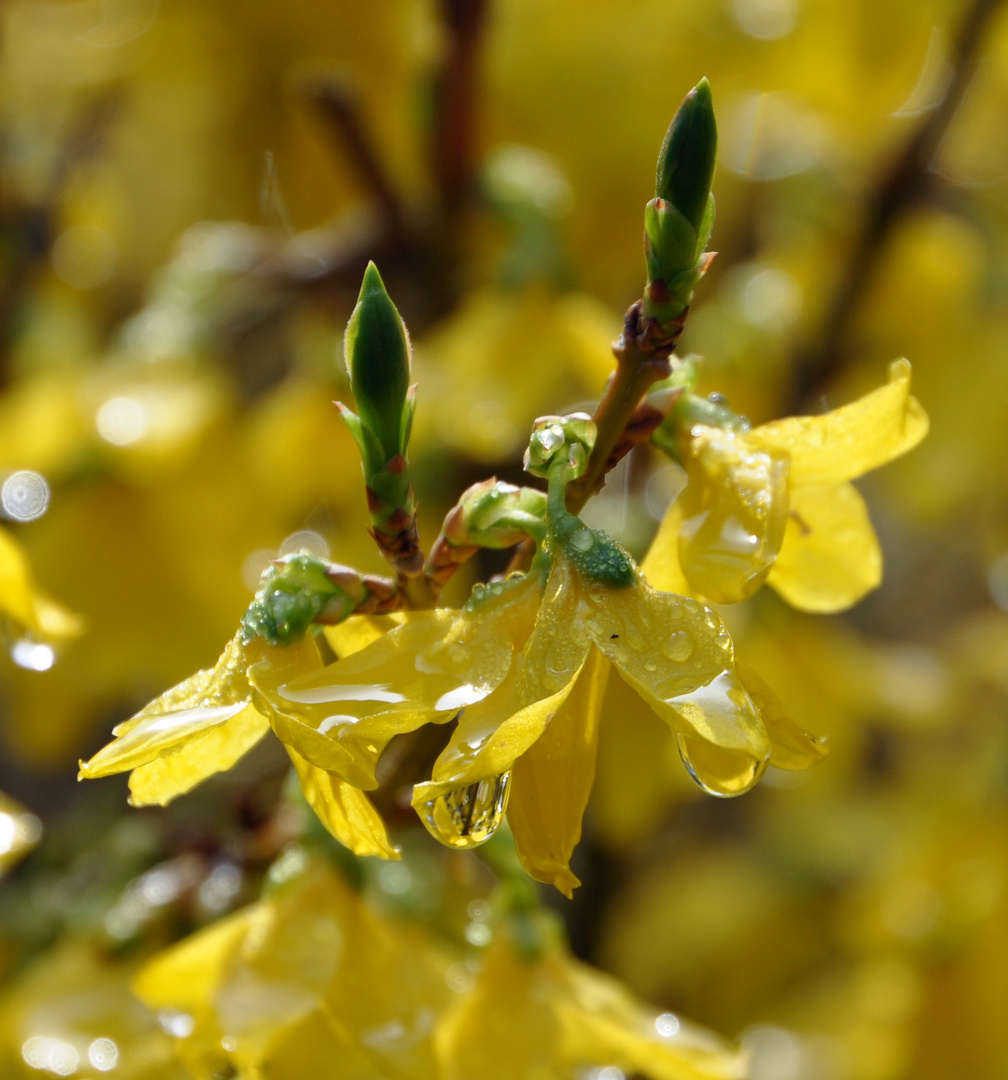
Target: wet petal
{"x": 791, "y": 747}
{"x": 489, "y": 737}
{"x": 851, "y": 440}
{"x": 344, "y": 810}
{"x": 734, "y": 512}
{"x": 552, "y": 780}
{"x": 155, "y": 734}
{"x": 830, "y": 556}
{"x": 661, "y": 564}
{"x": 181, "y": 768}
{"x": 665, "y": 645}
{"x": 438, "y": 662}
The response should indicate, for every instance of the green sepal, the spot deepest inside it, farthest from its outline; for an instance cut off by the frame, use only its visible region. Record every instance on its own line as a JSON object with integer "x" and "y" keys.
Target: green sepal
{"x": 670, "y": 244}
{"x": 371, "y": 450}
{"x": 706, "y": 227}
{"x": 377, "y": 353}
{"x": 688, "y": 156}
{"x": 494, "y": 513}
{"x": 409, "y": 409}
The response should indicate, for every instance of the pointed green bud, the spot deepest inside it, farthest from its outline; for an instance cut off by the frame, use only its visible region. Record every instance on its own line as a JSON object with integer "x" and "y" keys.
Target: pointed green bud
{"x": 688, "y": 155}
{"x": 377, "y": 352}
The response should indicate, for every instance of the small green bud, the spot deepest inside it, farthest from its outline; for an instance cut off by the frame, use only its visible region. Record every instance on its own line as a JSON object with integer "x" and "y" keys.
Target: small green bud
{"x": 377, "y": 352}
{"x": 570, "y": 438}
{"x": 688, "y": 155}
{"x": 292, "y": 592}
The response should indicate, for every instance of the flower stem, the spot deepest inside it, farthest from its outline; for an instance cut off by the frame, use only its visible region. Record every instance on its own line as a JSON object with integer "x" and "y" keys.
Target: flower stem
{"x": 642, "y": 359}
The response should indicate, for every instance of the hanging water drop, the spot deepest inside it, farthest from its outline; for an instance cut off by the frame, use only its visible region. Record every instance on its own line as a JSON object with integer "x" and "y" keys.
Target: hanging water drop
{"x": 721, "y": 772}
{"x": 468, "y": 816}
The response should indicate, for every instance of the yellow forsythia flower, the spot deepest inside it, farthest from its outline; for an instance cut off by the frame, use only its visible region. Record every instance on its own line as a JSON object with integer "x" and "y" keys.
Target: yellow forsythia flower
{"x": 524, "y": 671}
{"x": 312, "y": 981}
{"x": 775, "y": 504}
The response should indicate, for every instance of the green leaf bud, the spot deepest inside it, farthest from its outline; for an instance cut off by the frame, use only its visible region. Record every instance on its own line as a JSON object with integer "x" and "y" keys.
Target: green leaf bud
{"x": 688, "y": 155}
{"x": 377, "y": 352}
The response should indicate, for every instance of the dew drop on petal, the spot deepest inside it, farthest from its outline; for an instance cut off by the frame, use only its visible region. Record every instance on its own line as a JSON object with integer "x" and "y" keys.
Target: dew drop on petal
{"x": 468, "y": 816}
{"x": 719, "y": 772}
{"x": 678, "y": 646}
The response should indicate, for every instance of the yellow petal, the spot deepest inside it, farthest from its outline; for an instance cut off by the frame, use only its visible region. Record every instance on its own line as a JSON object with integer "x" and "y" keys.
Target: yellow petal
{"x": 491, "y": 735}
{"x": 661, "y": 564}
{"x": 180, "y": 768}
{"x": 849, "y": 441}
{"x": 184, "y": 977}
{"x": 552, "y": 780}
{"x": 502, "y": 1029}
{"x": 791, "y": 747}
{"x": 156, "y": 733}
{"x": 341, "y": 717}
{"x": 359, "y": 631}
{"x": 15, "y": 581}
{"x": 734, "y": 512}
{"x": 830, "y": 556}
{"x": 438, "y": 662}
{"x": 344, "y": 810}
{"x": 601, "y": 1022}
{"x": 665, "y": 645}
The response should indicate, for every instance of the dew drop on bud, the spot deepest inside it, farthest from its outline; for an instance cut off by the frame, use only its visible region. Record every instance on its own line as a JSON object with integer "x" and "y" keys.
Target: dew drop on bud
{"x": 469, "y": 815}
{"x": 718, "y": 771}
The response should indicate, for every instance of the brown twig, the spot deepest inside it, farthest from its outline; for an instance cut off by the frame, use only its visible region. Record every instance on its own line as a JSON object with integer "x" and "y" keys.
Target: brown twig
{"x": 339, "y": 104}
{"x": 642, "y": 359}
{"x": 906, "y": 183}
{"x": 455, "y": 100}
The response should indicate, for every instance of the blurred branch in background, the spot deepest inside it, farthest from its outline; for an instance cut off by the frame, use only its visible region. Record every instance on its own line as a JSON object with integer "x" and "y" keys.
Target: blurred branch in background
{"x": 909, "y": 180}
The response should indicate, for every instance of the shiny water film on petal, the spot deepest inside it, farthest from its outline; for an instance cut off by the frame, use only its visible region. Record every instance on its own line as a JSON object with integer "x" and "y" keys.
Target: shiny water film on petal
{"x": 665, "y": 645}
{"x": 184, "y": 712}
{"x": 734, "y": 510}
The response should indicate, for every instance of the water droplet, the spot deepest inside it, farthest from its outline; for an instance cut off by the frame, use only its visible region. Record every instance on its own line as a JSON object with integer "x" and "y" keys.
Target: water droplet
{"x": 718, "y": 771}
{"x": 678, "y": 647}
{"x": 583, "y": 540}
{"x": 470, "y": 815}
